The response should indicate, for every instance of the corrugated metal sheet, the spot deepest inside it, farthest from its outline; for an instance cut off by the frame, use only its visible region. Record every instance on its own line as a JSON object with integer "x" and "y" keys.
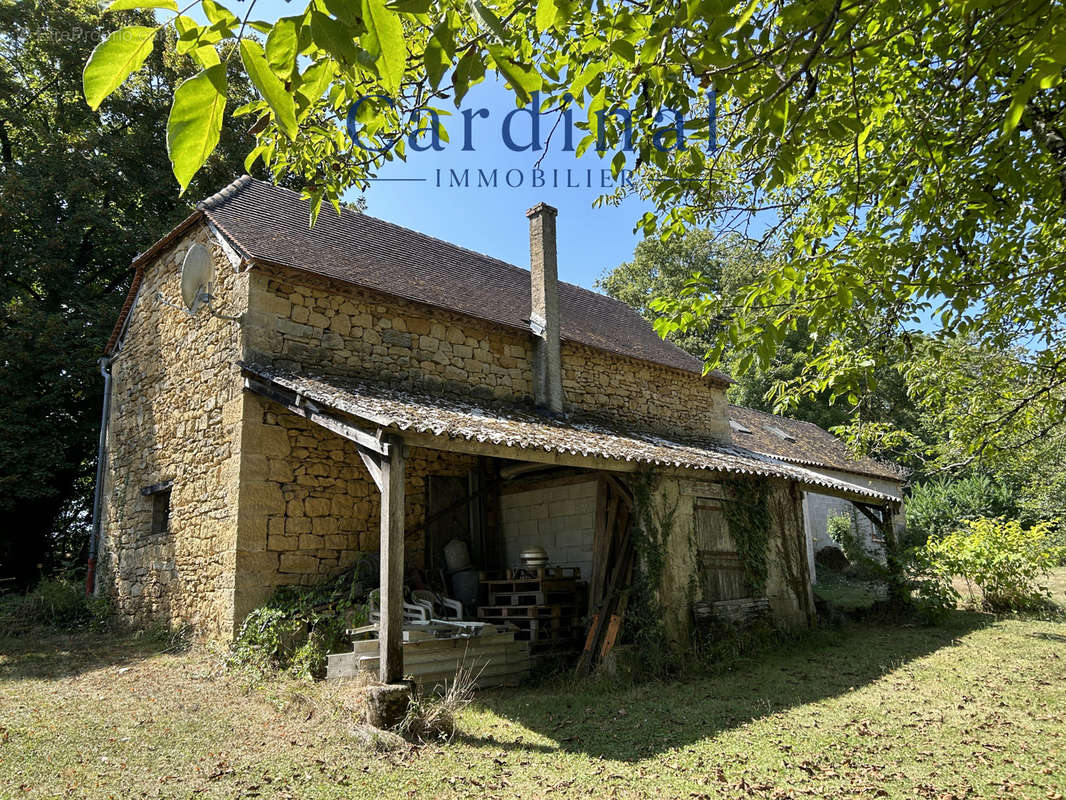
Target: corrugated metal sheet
{"x": 509, "y": 426}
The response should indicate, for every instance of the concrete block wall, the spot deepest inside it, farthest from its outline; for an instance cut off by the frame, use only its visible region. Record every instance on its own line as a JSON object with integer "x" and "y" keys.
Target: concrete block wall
{"x": 561, "y": 519}
{"x": 818, "y": 508}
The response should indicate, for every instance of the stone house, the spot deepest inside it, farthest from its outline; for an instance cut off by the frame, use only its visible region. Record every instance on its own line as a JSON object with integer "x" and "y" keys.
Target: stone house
{"x": 357, "y": 387}
{"x": 806, "y": 444}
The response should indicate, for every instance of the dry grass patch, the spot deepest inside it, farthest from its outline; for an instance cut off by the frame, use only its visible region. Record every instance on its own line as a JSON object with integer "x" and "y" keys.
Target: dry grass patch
{"x": 970, "y": 709}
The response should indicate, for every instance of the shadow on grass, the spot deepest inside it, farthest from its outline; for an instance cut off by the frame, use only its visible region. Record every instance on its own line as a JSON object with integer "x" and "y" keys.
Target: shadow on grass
{"x": 635, "y": 722}
{"x": 49, "y": 654}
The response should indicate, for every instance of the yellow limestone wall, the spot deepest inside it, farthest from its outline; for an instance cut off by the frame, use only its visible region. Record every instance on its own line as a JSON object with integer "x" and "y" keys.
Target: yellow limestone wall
{"x": 176, "y": 414}
{"x": 301, "y": 320}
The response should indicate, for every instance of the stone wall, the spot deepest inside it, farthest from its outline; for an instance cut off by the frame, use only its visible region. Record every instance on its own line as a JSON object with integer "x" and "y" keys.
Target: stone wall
{"x": 308, "y": 505}
{"x": 304, "y": 321}
{"x": 175, "y": 416}
{"x": 673, "y": 501}
{"x": 560, "y": 518}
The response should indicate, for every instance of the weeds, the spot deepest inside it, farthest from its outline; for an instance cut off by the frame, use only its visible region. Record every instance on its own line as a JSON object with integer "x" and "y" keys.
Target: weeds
{"x": 432, "y": 717}
{"x": 52, "y": 604}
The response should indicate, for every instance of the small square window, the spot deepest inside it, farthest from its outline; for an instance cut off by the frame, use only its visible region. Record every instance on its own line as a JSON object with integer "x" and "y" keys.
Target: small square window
{"x": 161, "y": 512}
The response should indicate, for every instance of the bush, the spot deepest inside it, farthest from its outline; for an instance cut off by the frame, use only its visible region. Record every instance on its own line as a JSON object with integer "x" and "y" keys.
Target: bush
{"x": 841, "y": 529}
{"x": 300, "y": 626}
{"x": 53, "y": 604}
{"x": 831, "y": 558}
{"x": 935, "y": 508}
{"x": 1008, "y": 563}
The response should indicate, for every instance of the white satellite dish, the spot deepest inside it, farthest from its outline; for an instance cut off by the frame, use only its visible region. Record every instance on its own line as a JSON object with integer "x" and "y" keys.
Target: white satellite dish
{"x": 197, "y": 271}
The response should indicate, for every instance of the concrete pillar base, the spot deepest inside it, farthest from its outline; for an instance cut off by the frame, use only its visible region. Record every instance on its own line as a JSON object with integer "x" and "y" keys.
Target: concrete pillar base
{"x": 386, "y": 704}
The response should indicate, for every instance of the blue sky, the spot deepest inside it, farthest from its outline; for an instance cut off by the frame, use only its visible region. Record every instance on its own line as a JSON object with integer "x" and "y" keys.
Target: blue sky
{"x": 492, "y": 220}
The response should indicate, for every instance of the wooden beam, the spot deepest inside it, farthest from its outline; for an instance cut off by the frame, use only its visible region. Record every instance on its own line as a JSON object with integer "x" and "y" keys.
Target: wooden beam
{"x": 390, "y": 635}
{"x": 533, "y": 454}
{"x": 307, "y": 409}
{"x": 373, "y": 466}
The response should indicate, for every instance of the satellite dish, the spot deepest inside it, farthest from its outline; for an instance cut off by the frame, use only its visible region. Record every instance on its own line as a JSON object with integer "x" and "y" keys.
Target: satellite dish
{"x": 197, "y": 271}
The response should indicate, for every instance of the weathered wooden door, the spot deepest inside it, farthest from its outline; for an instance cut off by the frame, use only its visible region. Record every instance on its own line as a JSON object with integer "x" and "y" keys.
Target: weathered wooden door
{"x": 722, "y": 572}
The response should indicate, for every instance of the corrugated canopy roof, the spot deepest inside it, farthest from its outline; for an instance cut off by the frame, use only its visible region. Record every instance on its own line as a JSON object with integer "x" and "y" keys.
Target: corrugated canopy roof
{"x": 269, "y": 224}
{"x": 418, "y": 412}
{"x": 802, "y": 443}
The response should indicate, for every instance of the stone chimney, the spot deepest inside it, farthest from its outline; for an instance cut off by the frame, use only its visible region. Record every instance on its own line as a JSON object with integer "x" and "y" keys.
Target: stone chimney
{"x": 544, "y": 309}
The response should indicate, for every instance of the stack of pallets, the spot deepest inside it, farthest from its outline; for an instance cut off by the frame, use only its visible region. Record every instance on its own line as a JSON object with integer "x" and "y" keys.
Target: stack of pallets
{"x": 543, "y": 603}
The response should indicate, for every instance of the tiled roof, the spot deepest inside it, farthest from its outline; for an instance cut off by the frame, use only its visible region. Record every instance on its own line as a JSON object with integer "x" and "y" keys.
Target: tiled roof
{"x": 269, "y": 224}
{"x": 508, "y": 426}
{"x": 802, "y": 443}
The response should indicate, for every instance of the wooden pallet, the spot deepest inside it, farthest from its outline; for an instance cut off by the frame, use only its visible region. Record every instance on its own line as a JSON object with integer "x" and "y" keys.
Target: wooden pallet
{"x": 531, "y": 573}
{"x": 531, "y": 611}
{"x": 533, "y": 598}
{"x": 530, "y": 585}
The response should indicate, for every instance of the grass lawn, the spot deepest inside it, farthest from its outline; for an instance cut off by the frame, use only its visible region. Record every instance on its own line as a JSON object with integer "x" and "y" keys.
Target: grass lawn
{"x": 848, "y": 593}
{"x": 971, "y": 709}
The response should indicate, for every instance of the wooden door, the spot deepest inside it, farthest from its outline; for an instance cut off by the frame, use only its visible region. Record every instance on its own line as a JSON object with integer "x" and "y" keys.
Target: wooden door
{"x": 722, "y": 572}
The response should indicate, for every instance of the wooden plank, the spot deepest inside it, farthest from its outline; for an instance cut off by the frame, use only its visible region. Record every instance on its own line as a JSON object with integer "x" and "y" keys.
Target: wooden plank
{"x": 535, "y": 454}
{"x": 373, "y": 466}
{"x": 391, "y": 554}
{"x": 620, "y": 489}
{"x": 310, "y": 411}
{"x": 601, "y": 545}
{"x": 532, "y": 484}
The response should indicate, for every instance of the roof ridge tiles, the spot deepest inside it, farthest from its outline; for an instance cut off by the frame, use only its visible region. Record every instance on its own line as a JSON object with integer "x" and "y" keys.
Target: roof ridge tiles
{"x": 226, "y": 191}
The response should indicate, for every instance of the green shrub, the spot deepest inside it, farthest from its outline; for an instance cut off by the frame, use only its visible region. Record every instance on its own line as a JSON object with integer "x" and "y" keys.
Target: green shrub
{"x": 935, "y": 508}
{"x": 54, "y": 604}
{"x": 841, "y": 529}
{"x": 299, "y": 627}
{"x": 1008, "y": 563}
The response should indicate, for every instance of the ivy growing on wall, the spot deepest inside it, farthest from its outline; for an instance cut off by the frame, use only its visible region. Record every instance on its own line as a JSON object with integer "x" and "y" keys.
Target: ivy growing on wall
{"x": 651, "y": 530}
{"x": 748, "y": 517}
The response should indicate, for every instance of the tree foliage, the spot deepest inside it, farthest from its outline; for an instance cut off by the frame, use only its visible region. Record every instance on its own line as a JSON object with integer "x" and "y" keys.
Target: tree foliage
{"x": 80, "y": 194}
{"x": 904, "y": 161}
{"x": 1008, "y": 563}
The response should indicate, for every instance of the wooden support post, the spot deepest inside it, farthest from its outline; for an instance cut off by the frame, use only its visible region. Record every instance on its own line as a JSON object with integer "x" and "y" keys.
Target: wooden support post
{"x": 881, "y": 517}
{"x": 390, "y": 634}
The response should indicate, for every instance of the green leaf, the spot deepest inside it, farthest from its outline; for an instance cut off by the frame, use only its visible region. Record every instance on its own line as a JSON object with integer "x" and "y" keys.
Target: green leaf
{"x": 129, "y": 5}
{"x": 523, "y": 78}
{"x": 410, "y": 6}
{"x": 588, "y": 74}
{"x": 347, "y": 11}
{"x": 218, "y": 15}
{"x": 486, "y": 19}
{"x": 254, "y": 156}
{"x": 436, "y": 61}
{"x": 314, "y": 80}
{"x": 268, "y": 84}
{"x": 206, "y": 56}
{"x": 195, "y": 122}
{"x": 545, "y": 17}
{"x": 386, "y": 45}
{"x": 1019, "y": 102}
{"x": 746, "y": 15}
{"x": 334, "y": 37}
{"x": 281, "y": 47}
{"x": 120, "y": 54}
{"x": 624, "y": 49}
